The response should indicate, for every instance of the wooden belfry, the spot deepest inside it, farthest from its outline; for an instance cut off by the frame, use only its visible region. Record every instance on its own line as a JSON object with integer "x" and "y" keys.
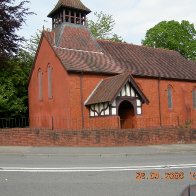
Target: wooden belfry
{"x": 71, "y": 11}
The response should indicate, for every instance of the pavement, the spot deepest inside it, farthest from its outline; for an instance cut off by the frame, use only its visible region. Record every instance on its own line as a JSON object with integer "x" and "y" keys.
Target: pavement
{"x": 49, "y": 171}
{"x": 98, "y": 151}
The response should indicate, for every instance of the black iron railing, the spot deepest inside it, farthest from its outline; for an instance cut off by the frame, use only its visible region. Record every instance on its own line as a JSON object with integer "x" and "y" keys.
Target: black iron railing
{"x": 49, "y": 122}
{"x": 14, "y": 122}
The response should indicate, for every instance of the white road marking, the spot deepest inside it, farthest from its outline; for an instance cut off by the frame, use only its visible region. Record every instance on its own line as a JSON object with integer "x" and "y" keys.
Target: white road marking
{"x": 97, "y": 169}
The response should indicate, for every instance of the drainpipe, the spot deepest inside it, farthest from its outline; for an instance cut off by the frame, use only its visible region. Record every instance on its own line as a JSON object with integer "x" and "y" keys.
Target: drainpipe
{"x": 159, "y": 97}
{"x": 52, "y": 123}
{"x": 81, "y": 98}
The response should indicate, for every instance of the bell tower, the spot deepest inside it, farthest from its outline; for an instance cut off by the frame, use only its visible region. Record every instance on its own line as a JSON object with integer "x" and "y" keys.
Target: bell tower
{"x": 70, "y": 11}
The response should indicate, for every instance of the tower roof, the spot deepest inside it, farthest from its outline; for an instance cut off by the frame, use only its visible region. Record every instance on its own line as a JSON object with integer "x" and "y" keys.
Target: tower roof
{"x": 74, "y": 4}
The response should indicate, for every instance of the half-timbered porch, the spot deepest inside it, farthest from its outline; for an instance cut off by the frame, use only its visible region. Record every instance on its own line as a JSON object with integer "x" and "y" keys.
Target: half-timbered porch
{"x": 117, "y": 96}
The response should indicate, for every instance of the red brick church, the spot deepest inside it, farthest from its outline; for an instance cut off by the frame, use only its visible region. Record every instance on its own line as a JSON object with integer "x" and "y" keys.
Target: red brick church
{"x": 78, "y": 82}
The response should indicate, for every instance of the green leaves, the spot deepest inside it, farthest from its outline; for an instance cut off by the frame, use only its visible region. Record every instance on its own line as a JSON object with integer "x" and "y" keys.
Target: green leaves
{"x": 13, "y": 86}
{"x": 33, "y": 43}
{"x": 173, "y": 35}
{"x": 102, "y": 28}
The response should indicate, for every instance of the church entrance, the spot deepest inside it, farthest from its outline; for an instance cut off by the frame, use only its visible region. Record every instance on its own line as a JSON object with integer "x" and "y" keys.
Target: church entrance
{"x": 126, "y": 113}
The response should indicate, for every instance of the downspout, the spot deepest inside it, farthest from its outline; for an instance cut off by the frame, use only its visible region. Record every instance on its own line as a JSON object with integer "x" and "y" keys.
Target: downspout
{"x": 159, "y": 97}
{"x": 81, "y": 98}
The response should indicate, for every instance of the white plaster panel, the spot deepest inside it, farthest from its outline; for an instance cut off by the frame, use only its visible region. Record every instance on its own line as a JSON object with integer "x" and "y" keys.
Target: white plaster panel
{"x": 113, "y": 111}
{"x": 100, "y": 107}
{"x": 132, "y": 93}
{"x": 138, "y": 102}
{"x": 102, "y": 113}
{"x": 114, "y": 103}
{"x": 128, "y": 90}
{"x": 123, "y": 91}
{"x": 139, "y": 110}
{"x": 107, "y": 112}
{"x": 91, "y": 113}
{"x": 97, "y": 108}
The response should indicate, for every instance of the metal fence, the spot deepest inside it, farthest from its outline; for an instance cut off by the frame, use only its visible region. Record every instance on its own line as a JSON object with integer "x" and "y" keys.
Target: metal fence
{"x": 21, "y": 122}
{"x": 94, "y": 123}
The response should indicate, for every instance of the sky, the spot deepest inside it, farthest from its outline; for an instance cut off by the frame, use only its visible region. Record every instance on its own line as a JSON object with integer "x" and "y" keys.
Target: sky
{"x": 132, "y": 17}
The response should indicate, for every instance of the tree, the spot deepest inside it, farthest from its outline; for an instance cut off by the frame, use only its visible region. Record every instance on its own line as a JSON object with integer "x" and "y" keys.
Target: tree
{"x": 32, "y": 44}
{"x": 174, "y": 36}
{"x": 103, "y": 26}
{"x": 14, "y": 80}
{"x": 13, "y": 86}
{"x": 12, "y": 17}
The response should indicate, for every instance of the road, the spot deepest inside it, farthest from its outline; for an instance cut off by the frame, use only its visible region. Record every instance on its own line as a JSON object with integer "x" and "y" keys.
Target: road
{"x": 98, "y": 171}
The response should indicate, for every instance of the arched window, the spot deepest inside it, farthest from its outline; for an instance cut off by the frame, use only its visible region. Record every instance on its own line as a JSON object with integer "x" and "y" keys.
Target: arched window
{"x": 169, "y": 97}
{"x": 194, "y": 98}
{"x": 49, "y": 70}
{"x": 40, "y": 81}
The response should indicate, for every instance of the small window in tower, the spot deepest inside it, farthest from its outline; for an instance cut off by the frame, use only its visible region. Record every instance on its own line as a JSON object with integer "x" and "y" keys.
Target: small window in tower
{"x": 194, "y": 98}
{"x": 67, "y": 15}
{"x": 169, "y": 94}
{"x": 49, "y": 82}
{"x": 40, "y": 81}
{"x": 73, "y": 17}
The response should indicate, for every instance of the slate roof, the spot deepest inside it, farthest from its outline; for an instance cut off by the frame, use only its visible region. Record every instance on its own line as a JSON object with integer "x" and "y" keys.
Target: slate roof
{"x": 78, "y": 61}
{"x": 108, "y": 89}
{"x": 79, "y": 51}
{"x": 147, "y": 61}
{"x": 75, "y": 4}
{"x": 77, "y": 37}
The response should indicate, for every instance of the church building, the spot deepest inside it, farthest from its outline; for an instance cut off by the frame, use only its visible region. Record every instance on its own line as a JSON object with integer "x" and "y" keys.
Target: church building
{"x": 78, "y": 82}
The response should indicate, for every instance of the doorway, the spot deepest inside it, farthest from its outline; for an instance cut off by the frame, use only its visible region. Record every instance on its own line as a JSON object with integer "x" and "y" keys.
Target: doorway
{"x": 126, "y": 114}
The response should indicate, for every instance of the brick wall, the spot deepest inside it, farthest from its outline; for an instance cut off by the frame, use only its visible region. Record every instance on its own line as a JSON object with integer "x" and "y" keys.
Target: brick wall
{"x": 181, "y": 97}
{"x": 41, "y": 111}
{"x": 70, "y": 90}
{"x": 113, "y": 137}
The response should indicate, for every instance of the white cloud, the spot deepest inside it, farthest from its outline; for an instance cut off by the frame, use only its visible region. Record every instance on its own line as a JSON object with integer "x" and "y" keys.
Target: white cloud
{"x": 133, "y": 17}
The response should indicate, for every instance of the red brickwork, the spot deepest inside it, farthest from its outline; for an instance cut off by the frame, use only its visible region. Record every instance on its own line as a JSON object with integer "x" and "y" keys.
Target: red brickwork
{"x": 59, "y": 105}
{"x": 157, "y": 111}
{"x": 113, "y": 137}
{"x": 70, "y": 91}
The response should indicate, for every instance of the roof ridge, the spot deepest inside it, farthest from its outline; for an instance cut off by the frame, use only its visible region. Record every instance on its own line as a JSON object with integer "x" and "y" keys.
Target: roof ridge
{"x": 71, "y": 49}
{"x": 142, "y": 46}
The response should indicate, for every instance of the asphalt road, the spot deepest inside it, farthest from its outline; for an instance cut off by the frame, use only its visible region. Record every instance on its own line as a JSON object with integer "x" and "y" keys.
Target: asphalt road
{"x": 138, "y": 171}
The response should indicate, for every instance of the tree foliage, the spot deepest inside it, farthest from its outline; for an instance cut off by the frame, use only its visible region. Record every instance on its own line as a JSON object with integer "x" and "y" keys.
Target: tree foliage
{"x": 13, "y": 86}
{"x": 103, "y": 26}
{"x": 12, "y": 17}
{"x": 32, "y": 44}
{"x": 14, "y": 80}
{"x": 174, "y": 36}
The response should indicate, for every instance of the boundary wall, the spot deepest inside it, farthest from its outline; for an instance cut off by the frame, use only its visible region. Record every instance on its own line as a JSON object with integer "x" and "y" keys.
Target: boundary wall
{"x": 112, "y": 137}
